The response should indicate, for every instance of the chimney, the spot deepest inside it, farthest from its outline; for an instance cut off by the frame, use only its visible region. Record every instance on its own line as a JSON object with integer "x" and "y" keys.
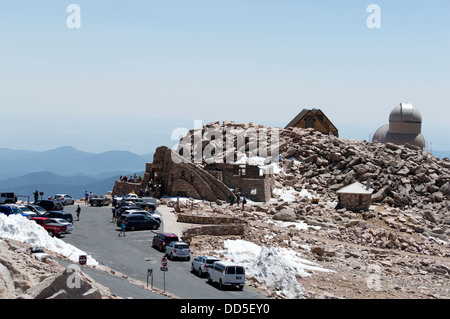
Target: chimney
{"x": 368, "y": 183}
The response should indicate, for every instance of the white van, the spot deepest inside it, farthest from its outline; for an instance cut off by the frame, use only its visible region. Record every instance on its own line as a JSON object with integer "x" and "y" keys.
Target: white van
{"x": 227, "y": 273}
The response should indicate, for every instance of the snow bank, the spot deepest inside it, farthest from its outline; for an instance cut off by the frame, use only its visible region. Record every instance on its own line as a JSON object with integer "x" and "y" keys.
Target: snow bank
{"x": 277, "y": 268}
{"x": 259, "y": 161}
{"x": 21, "y": 229}
{"x": 289, "y": 194}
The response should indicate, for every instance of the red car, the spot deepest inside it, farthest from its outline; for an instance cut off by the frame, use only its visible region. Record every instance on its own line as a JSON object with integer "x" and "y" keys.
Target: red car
{"x": 52, "y": 228}
{"x": 161, "y": 240}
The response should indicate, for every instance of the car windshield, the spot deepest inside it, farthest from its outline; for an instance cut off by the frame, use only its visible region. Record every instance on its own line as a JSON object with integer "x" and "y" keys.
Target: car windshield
{"x": 182, "y": 246}
{"x": 15, "y": 210}
{"x": 25, "y": 209}
{"x": 39, "y": 208}
{"x": 171, "y": 238}
{"x": 211, "y": 261}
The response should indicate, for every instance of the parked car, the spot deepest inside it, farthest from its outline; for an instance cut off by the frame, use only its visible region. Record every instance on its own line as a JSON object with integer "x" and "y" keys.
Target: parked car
{"x": 12, "y": 209}
{"x": 63, "y": 222}
{"x": 141, "y": 212}
{"x": 226, "y": 274}
{"x": 65, "y": 199}
{"x": 201, "y": 264}
{"x": 161, "y": 240}
{"x": 139, "y": 222}
{"x": 59, "y": 214}
{"x": 26, "y": 211}
{"x": 178, "y": 250}
{"x": 49, "y": 204}
{"x": 101, "y": 200}
{"x": 52, "y": 228}
{"x": 129, "y": 197}
{"x": 8, "y": 198}
{"x": 36, "y": 208}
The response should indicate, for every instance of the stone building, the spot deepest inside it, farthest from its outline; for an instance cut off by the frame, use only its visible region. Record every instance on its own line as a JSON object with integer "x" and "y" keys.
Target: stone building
{"x": 315, "y": 119}
{"x": 249, "y": 180}
{"x": 174, "y": 176}
{"x": 355, "y": 196}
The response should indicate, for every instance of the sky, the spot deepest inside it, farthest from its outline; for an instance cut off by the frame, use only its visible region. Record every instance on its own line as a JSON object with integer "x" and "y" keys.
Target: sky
{"x": 136, "y": 71}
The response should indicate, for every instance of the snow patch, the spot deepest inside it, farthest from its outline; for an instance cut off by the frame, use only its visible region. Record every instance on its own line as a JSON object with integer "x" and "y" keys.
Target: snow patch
{"x": 21, "y": 229}
{"x": 277, "y": 268}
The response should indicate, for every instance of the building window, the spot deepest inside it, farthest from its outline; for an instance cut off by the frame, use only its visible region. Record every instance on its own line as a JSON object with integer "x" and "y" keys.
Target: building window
{"x": 253, "y": 191}
{"x": 182, "y": 174}
{"x": 309, "y": 121}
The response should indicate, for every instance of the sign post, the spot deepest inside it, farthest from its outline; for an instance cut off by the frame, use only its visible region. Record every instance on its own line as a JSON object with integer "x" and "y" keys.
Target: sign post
{"x": 164, "y": 268}
{"x": 150, "y": 273}
{"x": 82, "y": 259}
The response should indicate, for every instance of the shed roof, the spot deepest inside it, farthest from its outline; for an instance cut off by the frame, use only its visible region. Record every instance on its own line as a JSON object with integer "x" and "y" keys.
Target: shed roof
{"x": 355, "y": 188}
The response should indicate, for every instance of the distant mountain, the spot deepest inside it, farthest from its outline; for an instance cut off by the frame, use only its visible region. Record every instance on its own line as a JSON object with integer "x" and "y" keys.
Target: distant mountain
{"x": 52, "y": 184}
{"x": 441, "y": 154}
{"x": 68, "y": 161}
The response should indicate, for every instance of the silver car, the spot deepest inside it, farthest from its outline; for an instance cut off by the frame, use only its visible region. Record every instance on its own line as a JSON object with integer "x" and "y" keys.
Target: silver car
{"x": 63, "y": 222}
{"x": 65, "y": 199}
{"x": 179, "y": 250}
{"x": 201, "y": 264}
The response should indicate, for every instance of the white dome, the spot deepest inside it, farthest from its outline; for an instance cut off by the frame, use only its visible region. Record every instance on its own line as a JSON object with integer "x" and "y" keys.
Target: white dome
{"x": 405, "y": 112}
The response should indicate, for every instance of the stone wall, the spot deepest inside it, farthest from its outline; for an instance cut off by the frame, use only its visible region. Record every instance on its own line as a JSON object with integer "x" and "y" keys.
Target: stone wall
{"x": 214, "y": 220}
{"x": 214, "y": 230}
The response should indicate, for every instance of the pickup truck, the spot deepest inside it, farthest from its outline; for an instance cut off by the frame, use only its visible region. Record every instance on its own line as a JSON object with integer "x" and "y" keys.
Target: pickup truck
{"x": 52, "y": 228}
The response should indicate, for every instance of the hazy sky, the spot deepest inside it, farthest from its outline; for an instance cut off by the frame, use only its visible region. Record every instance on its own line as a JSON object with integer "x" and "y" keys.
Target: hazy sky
{"x": 137, "y": 70}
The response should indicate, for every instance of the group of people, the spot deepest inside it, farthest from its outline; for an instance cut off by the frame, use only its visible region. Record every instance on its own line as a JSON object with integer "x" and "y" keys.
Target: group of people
{"x": 132, "y": 179}
{"x": 87, "y": 197}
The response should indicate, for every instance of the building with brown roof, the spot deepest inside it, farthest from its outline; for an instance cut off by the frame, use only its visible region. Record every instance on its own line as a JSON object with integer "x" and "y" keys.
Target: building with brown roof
{"x": 315, "y": 119}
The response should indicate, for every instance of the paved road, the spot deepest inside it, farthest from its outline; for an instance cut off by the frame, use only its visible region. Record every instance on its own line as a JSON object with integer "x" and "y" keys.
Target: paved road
{"x": 133, "y": 255}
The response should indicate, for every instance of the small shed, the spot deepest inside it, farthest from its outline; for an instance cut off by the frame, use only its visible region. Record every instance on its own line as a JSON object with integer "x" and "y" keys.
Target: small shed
{"x": 355, "y": 196}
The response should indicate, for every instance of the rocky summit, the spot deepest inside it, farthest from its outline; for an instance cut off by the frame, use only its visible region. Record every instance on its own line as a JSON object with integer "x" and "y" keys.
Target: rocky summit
{"x": 398, "y": 248}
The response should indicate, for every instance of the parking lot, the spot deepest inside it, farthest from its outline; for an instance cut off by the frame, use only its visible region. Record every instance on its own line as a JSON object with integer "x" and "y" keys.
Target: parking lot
{"x": 132, "y": 255}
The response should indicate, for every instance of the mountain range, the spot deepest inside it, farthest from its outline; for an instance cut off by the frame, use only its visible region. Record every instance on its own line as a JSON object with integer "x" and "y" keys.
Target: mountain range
{"x": 71, "y": 171}
{"x": 66, "y": 170}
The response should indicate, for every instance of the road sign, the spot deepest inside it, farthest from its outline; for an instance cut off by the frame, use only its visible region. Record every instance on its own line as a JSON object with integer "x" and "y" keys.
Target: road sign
{"x": 164, "y": 262}
{"x": 82, "y": 259}
{"x": 164, "y": 268}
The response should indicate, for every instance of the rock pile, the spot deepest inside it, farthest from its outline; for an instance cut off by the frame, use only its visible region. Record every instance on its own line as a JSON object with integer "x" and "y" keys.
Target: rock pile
{"x": 397, "y": 249}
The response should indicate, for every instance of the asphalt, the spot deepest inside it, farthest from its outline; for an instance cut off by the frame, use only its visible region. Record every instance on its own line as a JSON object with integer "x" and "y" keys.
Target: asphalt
{"x": 138, "y": 257}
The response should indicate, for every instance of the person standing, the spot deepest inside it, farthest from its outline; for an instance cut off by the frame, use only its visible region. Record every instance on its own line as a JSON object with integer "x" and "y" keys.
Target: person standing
{"x": 78, "y": 211}
{"x": 86, "y": 197}
{"x": 36, "y": 195}
{"x": 122, "y": 228}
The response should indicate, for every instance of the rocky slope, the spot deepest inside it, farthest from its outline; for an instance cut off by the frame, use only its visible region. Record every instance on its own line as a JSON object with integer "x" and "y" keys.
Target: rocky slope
{"x": 397, "y": 249}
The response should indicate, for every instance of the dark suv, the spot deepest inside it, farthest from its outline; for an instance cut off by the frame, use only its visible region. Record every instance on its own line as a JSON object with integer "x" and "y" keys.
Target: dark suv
{"x": 49, "y": 204}
{"x": 136, "y": 222}
{"x": 161, "y": 240}
{"x": 59, "y": 214}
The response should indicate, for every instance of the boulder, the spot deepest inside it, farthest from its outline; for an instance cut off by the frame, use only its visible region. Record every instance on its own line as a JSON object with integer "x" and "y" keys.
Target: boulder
{"x": 285, "y": 214}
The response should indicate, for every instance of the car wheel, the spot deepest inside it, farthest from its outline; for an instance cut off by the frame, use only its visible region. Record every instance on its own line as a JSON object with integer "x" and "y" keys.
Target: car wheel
{"x": 171, "y": 256}
{"x": 241, "y": 287}
{"x": 192, "y": 269}
{"x": 200, "y": 272}
{"x": 220, "y": 284}
{"x": 209, "y": 279}
{"x": 133, "y": 228}
{"x": 154, "y": 227}
{"x": 51, "y": 233}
